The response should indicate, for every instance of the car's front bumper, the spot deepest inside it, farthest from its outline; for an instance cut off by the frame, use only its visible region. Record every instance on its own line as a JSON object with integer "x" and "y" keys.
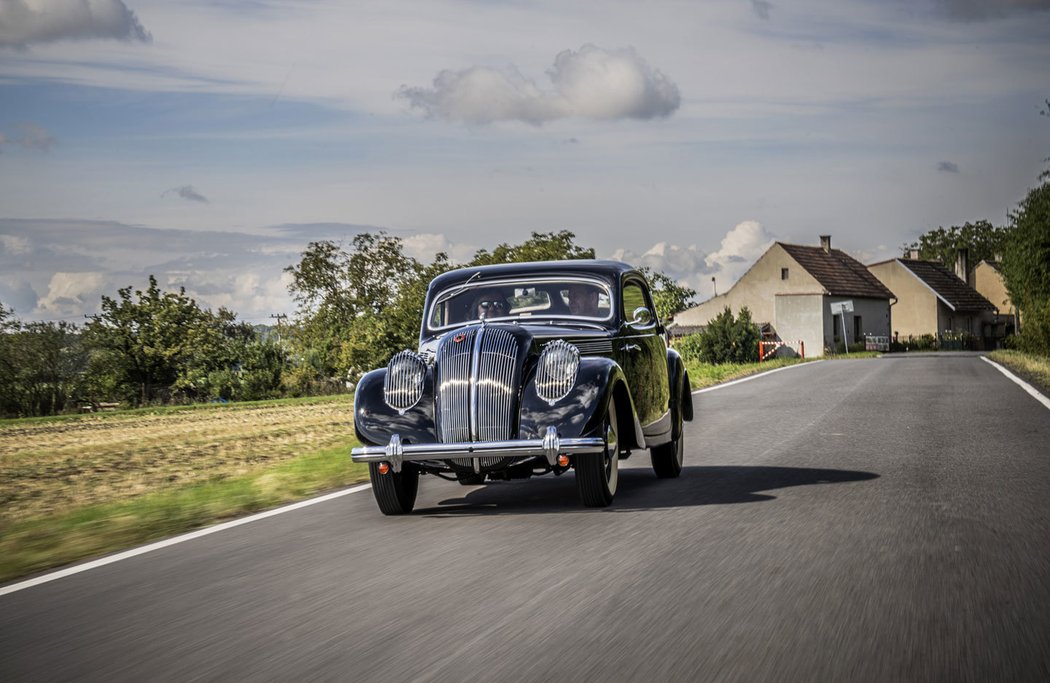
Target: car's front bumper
{"x": 550, "y": 446}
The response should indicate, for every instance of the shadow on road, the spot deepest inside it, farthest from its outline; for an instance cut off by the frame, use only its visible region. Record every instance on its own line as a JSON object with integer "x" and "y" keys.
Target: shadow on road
{"x": 639, "y": 489}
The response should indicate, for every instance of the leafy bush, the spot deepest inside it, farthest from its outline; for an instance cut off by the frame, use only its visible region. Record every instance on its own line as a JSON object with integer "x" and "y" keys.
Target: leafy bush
{"x": 1034, "y": 336}
{"x": 725, "y": 340}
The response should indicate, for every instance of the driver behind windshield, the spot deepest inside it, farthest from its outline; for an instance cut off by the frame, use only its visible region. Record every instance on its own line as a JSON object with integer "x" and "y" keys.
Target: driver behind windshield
{"x": 489, "y": 304}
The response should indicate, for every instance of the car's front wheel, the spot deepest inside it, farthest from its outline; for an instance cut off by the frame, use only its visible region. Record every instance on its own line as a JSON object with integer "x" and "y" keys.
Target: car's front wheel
{"x": 395, "y": 492}
{"x": 598, "y": 474}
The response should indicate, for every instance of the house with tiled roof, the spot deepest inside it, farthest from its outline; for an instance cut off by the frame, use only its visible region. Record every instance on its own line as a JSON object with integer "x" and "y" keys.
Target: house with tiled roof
{"x": 933, "y": 300}
{"x": 794, "y": 289}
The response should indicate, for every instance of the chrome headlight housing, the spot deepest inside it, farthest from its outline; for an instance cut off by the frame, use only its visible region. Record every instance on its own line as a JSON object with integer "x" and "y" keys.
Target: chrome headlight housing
{"x": 403, "y": 384}
{"x": 556, "y": 374}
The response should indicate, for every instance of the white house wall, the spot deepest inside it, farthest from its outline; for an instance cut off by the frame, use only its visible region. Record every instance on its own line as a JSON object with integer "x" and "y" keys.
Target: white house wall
{"x": 757, "y": 290}
{"x": 801, "y": 317}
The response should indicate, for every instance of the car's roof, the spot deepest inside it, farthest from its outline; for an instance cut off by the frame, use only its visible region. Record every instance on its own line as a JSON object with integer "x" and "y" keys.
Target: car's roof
{"x": 605, "y": 269}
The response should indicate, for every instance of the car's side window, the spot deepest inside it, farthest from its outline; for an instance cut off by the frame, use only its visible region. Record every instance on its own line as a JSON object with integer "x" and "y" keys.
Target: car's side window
{"x": 633, "y": 298}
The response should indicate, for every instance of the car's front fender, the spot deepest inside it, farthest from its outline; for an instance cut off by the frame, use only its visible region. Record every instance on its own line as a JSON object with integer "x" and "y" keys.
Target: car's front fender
{"x": 375, "y": 421}
{"x": 582, "y": 411}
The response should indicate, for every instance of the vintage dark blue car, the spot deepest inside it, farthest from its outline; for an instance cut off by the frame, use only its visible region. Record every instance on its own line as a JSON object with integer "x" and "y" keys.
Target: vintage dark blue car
{"x": 525, "y": 369}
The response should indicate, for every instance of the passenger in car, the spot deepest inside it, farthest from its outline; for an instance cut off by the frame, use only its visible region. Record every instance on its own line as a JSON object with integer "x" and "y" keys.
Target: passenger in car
{"x": 583, "y": 300}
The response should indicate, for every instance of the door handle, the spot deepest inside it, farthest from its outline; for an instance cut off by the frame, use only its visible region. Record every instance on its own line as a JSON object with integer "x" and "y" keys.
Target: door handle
{"x": 630, "y": 347}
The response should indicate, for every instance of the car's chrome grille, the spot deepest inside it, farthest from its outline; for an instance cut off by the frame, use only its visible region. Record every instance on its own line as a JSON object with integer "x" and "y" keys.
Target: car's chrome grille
{"x": 453, "y": 391}
{"x": 478, "y": 378}
{"x": 494, "y": 385}
{"x": 598, "y": 347}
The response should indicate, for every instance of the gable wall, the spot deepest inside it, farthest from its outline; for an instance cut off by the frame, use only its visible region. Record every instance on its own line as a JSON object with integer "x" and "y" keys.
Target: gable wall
{"x": 757, "y": 290}
{"x": 917, "y": 311}
{"x": 989, "y": 283}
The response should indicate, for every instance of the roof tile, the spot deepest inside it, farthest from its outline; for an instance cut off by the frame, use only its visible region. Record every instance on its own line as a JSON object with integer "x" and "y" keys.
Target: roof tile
{"x": 837, "y": 272}
{"x": 959, "y": 295}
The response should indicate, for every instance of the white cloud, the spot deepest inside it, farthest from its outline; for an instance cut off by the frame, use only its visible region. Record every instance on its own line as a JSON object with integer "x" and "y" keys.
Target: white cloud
{"x": 424, "y": 246}
{"x": 692, "y": 267}
{"x": 71, "y": 294}
{"x": 591, "y": 83}
{"x": 23, "y": 22}
{"x": 739, "y": 249}
{"x": 14, "y": 245}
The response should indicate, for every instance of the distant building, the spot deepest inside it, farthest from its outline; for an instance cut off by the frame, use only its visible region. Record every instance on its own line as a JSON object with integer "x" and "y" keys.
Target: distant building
{"x": 790, "y": 290}
{"x": 934, "y": 300}
{"x": 987, "y": 279}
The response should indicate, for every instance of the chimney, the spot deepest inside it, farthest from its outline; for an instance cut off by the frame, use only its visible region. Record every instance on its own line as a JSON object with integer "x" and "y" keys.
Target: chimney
{"x": 825, "y": 243}
{"x": 914, "y": 254}
{"x": 962, "y": 265}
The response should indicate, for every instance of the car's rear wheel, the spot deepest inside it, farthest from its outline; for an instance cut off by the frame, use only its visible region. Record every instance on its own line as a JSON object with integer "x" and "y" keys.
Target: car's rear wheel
{"x": 598, "y": 474}
{"x": 395, "y": 492}
{"x": 667, "y": 459}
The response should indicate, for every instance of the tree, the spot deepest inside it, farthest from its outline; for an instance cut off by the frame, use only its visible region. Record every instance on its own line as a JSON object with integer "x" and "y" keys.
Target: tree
{"x": 1026, "y": 268}
{"x": 668, "y": 296}
{"x": 146, "y": 346}
{"x": 541, "y": 246}
{"x": 358, "y": 307}
{"x": 724, "y": 340}
{"x": 983, "y": 240}
{"x": 48, "y": 362}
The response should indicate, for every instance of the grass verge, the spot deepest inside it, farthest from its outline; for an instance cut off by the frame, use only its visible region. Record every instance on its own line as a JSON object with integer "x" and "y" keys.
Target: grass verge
{"x": 1034, "y": 369}
{"x": 703, "y": 375}
{"x": 39, "y": 543}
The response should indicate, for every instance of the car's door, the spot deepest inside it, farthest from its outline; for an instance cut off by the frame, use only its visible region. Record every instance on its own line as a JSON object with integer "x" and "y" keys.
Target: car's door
{"x": 642, "y": 353}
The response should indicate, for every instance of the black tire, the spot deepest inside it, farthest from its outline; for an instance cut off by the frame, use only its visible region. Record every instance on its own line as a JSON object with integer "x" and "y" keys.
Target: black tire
{"x": 667, "y": 459}
{"x": 395, "y": 491}
{"x": 597, "y": 474}
{"x": 470, "y": 479}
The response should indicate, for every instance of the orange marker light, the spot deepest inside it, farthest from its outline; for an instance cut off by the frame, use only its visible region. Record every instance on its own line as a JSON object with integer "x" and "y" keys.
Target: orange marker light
{"x": 563, "y": 460}
{"x": 383, "y": 468}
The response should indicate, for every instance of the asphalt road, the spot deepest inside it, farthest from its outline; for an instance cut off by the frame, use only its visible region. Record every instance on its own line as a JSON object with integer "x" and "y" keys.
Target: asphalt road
{"x": 882, "y": 519}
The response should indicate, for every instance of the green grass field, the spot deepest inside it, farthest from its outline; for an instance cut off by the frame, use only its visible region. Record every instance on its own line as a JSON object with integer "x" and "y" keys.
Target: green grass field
{"x": 86, "y": 485}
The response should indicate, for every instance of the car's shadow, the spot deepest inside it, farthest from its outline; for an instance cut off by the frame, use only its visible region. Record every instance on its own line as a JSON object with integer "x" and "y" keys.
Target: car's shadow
{"x": 639, "y": 489}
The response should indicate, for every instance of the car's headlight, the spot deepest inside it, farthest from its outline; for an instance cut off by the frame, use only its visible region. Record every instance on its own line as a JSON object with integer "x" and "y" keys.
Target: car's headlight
{"x": 403, "y": 385}
{"x": 556, "y": 374}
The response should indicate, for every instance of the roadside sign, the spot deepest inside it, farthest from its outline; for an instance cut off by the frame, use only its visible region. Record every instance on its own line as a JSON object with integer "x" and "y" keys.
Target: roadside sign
{"x": 839, "y": 308}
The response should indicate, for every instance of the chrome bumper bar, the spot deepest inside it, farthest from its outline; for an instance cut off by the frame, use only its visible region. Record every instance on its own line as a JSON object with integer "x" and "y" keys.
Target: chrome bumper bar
{"x": 550, "y": 446}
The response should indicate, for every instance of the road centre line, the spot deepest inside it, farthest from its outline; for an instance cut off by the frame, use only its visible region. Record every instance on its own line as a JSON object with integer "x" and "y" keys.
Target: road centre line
{"x": 1020, "y": 382}
{"x": 755, "y": 376}
{"x": 102, "y": 561}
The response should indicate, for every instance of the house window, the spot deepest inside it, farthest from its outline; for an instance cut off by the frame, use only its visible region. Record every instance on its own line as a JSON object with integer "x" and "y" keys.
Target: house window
{"x": 783, "y": 273}
{"x": 858, "y": 329}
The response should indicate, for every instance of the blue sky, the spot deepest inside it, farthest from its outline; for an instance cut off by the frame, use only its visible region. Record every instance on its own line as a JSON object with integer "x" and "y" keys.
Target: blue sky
{"x": 208, "y": 142}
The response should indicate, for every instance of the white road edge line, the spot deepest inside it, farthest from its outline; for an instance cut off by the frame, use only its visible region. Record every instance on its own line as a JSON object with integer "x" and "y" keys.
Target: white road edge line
{"x": 755, "y": 376}
{"x": 110, "y": 559}
{"x": 1020, "y": 382}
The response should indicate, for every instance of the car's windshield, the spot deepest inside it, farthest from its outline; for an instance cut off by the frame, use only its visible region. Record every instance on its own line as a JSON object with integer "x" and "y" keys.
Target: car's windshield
{"x": 521, "y": 299}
